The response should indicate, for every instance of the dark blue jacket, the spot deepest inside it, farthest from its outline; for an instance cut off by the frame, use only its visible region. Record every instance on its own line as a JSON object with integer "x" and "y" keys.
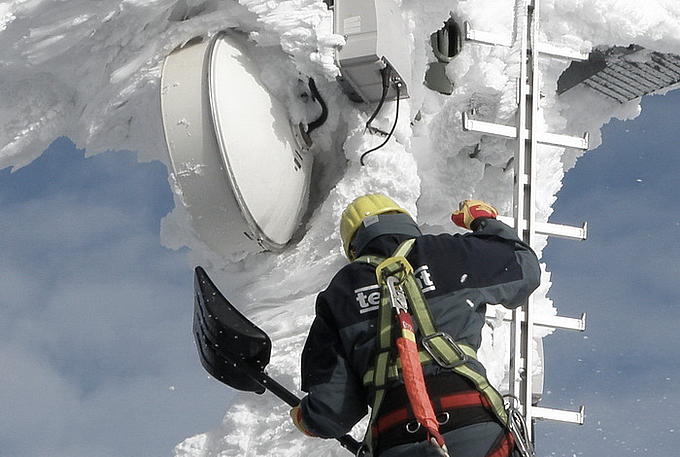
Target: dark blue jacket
{"x": 459, "y": 275}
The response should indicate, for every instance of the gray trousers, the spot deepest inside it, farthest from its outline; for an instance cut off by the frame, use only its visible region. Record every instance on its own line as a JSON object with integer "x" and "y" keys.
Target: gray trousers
{"x": 472, "y": 441}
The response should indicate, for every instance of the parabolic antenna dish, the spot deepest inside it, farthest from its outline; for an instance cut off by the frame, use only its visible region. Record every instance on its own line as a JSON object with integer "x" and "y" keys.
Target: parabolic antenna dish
{"x": 240, "y": 171}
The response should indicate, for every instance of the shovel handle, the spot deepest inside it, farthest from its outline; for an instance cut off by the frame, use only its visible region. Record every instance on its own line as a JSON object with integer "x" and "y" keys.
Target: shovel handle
{"x": 292, "y": 400}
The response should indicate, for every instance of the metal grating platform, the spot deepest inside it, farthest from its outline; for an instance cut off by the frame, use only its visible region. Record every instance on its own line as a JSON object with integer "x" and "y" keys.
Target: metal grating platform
{"x": 623, "y": 74}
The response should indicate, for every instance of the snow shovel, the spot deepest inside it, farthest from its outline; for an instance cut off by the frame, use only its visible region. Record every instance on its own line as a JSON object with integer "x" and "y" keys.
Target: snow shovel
{"x": 234, "y": 350}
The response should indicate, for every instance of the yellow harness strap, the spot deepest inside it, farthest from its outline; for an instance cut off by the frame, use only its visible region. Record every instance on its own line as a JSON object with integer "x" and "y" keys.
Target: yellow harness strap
{"x": 438, "y": 347}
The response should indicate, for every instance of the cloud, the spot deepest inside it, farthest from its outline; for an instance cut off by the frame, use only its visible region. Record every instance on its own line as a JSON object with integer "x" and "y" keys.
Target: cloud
{"x": 625, "y": 277}
{"x": 32, "y": 396}
{"x": 96, "y": 352}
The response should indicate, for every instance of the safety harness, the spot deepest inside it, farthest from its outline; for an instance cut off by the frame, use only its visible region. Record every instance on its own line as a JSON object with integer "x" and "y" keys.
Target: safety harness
{"x": 400, "y": 292}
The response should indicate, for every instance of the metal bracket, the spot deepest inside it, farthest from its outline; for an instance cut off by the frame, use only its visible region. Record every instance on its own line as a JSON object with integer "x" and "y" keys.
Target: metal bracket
{"x": 509, "y": 131}
{"x": 495, "y": 39}
{"x": 481, "y": 37}
{"x": 572, "y": 417}
{"x": 557, "y": 322}
{"x": 551, "y": 229}
{"x": 561, "y": 52}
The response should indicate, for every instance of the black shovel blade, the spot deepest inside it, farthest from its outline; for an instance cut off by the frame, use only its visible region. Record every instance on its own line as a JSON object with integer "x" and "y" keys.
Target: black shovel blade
{"x": 229, "y": 345}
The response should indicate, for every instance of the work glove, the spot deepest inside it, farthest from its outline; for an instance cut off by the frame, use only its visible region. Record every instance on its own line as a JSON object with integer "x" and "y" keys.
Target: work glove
{"x": 469, "y": 210}
{"x": 296, "y": 415}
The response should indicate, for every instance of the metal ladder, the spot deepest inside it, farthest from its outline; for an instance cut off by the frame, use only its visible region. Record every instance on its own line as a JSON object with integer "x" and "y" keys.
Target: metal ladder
{"x": 529, "y": 136}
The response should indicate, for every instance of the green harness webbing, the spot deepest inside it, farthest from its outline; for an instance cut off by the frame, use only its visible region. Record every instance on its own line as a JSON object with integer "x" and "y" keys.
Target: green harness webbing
{"x": 438, "y": 347}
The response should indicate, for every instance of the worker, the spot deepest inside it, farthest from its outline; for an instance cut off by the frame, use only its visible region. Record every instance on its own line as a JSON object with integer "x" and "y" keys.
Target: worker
{"x": 458, "y": 276}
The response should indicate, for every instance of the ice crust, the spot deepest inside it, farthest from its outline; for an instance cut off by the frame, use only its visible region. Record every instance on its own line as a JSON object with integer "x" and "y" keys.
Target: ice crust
{"x": 90, "y": 71}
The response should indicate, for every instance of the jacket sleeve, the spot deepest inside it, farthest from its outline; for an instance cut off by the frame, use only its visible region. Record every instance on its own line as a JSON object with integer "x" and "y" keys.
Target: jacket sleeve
{"x": 335, "y": 399}
{"x": 510, "y": 265}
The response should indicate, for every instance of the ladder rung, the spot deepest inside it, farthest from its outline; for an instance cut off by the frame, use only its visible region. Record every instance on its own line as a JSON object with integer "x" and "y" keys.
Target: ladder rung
{"x": 568, "y": 141}
{"x": 551, "y": 229}
{"x": 485, "y": 37}
{"x": 508, "y": 131}
{"x": 563, "y": 231}
{"x": 489, "y": 128}
{"x": 557, "y": 322}
{"x": 559, "y": 51}
{"x": 496, "y": 39}
{"x": 573, "y": 417}
{"x": 565, "y": 323}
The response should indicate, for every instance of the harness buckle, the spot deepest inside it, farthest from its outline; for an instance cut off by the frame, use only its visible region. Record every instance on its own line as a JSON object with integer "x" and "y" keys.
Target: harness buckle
{"x": 397, "y": 296}
{"x": 440, "y": 358}
{"x": 394, "y": 266}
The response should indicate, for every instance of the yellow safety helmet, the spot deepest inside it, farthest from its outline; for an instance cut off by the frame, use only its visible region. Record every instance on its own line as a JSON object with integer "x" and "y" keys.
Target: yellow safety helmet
{"x": 361, "y": 208}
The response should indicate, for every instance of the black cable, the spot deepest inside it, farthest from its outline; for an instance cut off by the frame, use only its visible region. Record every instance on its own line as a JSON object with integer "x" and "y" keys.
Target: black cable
{"x": 394, "y": 126}
{"x": 385, "y": 73}
{"x": 324, "y": 109}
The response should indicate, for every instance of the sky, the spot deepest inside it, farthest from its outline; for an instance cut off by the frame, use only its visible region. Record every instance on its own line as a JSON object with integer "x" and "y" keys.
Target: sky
{"x": 96, "y": 354}
{"x": 624, "y": 368}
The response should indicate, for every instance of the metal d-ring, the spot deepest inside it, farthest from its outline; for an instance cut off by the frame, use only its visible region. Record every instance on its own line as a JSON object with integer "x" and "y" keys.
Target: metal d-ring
{"x": 410, "y": 428}
{"x": 446, "y": 417}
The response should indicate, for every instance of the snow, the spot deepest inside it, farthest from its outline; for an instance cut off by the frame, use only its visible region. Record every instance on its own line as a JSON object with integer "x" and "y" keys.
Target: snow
{"x": 90, "y": 70}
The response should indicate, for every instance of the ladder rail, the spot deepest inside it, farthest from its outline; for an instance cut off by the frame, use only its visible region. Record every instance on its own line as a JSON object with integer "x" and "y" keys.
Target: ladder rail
{"x": 528, "y": 136}
{"x": 517, "y": 354}
{"x": 530, "y": 206}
